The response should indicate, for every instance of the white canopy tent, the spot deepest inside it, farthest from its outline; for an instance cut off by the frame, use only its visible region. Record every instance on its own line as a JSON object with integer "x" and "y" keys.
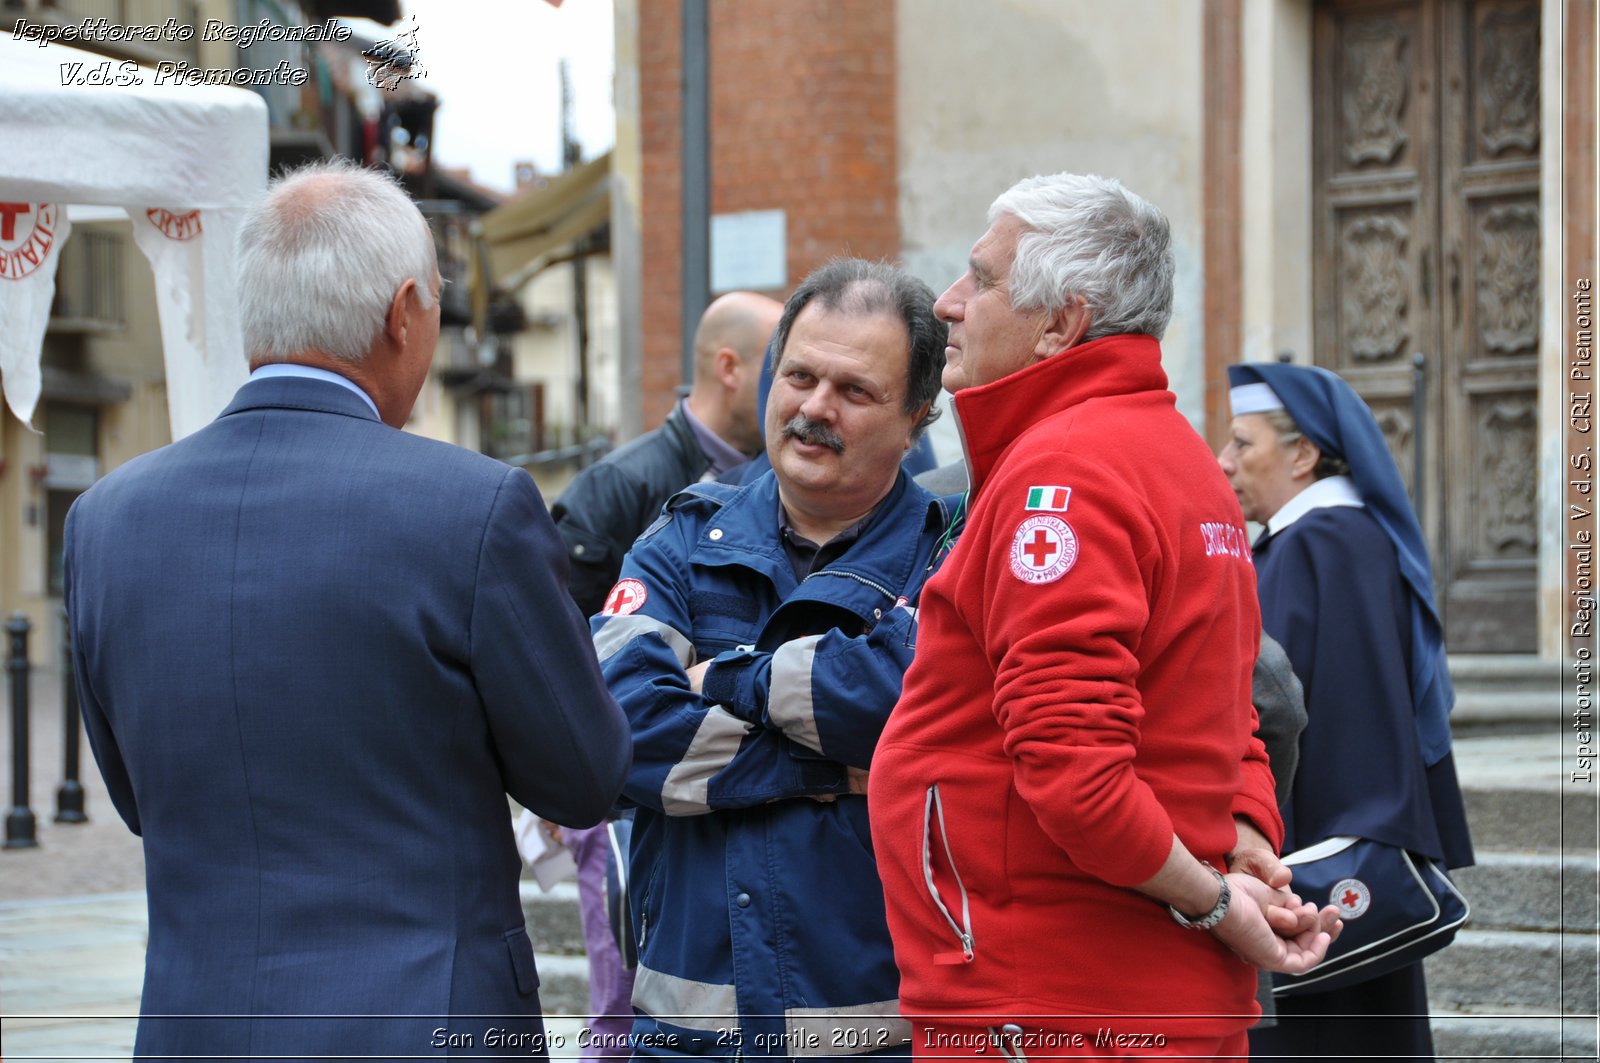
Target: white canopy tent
{"x": 184, "y": 162}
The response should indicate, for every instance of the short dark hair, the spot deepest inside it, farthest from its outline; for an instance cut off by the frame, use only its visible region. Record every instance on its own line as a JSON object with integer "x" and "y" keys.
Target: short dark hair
{"x": 859, "y": 287}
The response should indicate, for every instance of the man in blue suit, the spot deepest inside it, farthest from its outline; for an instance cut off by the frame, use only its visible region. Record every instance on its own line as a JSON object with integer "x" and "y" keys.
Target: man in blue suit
{"x": 314, "y": 655}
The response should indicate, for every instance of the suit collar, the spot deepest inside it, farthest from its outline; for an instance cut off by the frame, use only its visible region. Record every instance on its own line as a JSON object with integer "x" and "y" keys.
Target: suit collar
{"x": 279, "y": 369}
{"x": 299, "y": 393}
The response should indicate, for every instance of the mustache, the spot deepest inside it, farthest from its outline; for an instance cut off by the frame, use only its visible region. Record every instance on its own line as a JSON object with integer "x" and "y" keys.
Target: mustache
{"x": 800, "y": 426}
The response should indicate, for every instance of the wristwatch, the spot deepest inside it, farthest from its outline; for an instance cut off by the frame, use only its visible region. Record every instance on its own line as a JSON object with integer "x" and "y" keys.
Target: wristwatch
{"x": 1214, "y": 916}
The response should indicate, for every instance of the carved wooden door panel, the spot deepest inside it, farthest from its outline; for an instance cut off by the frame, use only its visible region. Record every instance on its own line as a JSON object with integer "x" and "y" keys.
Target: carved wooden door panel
{"x": 1427, "y": 242}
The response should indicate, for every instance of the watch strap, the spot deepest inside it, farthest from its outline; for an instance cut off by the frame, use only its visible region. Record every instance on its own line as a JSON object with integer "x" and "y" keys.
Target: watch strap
{"x": 1214, "y": 916}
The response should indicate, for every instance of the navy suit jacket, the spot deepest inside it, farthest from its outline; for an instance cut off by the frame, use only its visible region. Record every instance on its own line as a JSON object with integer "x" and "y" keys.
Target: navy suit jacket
{"x": 314, "y": 655}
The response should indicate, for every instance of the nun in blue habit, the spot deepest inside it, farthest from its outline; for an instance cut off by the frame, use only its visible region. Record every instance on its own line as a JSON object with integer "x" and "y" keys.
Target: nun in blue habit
{"x": 1346, "y": 587}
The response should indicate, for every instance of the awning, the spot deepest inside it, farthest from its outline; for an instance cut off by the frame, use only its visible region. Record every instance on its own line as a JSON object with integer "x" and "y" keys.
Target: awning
{"x": 521, "y": 237}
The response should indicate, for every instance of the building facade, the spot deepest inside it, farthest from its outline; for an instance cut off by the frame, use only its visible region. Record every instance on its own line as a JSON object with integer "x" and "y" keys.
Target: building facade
{"x": 1351, "y": 183}
{"x": 104, "y": 395}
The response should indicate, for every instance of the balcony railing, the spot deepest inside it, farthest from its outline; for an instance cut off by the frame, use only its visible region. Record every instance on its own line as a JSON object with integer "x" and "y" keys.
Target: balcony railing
{"x": 89, "y": 283}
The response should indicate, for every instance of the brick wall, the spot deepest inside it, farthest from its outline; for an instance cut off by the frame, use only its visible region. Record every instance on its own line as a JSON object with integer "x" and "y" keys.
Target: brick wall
{"x": 802, "y": 119}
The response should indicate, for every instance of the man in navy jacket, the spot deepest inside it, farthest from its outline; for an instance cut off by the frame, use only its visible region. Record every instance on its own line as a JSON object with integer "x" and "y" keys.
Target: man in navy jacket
{"x": 315, "y": 653}
{"x": 757, "y": 641}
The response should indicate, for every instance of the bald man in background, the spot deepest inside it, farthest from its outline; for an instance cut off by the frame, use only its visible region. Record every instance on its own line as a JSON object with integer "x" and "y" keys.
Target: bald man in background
{"x": 711, "y": 430}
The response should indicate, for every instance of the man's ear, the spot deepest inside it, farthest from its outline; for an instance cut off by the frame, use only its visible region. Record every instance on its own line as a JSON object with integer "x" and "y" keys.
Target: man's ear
{"x": 394, "y": 322}
{"x": 729, "y": 367}
{"x": 1066, "y": 328}
{"x": 911, "y": 440}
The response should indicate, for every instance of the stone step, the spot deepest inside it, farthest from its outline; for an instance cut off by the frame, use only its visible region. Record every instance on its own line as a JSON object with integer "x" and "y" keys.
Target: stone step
{"x": 1517, "y": 891}
{"x": 1526, "y": 820}
{"x": 1462, "y": 1036}
{"x": 1494, "y": 971}
{"x": 563, "y": 984}
{"x": 556, "y": 927}
{"x": 1494, "y": 691}
{"x": 1520, "y": 796}
{"x": 554, "y": 922}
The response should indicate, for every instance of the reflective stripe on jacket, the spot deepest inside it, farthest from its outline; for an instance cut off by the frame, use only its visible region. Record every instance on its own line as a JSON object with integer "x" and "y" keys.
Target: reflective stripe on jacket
{"x": 753, "y": 886}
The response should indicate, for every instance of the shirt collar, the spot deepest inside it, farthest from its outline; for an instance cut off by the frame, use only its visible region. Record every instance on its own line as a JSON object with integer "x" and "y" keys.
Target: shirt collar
{"x": 311, "y": 372}
{"x": 723, "y": 454}
{"x": 806, "y": 556}
{"x": 1327, "y": 492}
{"x": 849, "y": 535}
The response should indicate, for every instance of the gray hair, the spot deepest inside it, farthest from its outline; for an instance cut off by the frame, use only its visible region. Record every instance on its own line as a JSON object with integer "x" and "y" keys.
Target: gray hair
{"x": 858, "y": 287}
{"x": 321, "y": 257}
{"x": 1091, "y": 240}
{"x": 1329, "y": 464}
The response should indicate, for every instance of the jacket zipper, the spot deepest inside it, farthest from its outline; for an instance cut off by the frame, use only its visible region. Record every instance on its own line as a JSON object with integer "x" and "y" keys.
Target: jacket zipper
{"x": 880, "y": 588}
{"x": 934, "y": 806}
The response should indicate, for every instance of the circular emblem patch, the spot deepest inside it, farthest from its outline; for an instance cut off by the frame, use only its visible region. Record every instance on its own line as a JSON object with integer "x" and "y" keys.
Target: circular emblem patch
{"x": 1044, "y": 549}
{"x": 1351, "y": 897}
{"x": 27, "y": 232}
{"x": 173, "y": 226}
{"x": 626, "y": 597}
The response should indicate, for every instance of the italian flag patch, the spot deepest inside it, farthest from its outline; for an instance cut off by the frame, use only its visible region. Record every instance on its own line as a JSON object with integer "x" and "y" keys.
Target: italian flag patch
{"x": 1049, "y": 499}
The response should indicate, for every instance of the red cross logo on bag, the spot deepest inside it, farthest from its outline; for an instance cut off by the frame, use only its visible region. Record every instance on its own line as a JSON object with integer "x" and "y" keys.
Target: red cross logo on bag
{"x": 1351, "y": 897}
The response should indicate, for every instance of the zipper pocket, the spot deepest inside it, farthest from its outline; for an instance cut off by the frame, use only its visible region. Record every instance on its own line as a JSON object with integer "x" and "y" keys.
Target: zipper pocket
{"x": 933, "y": 808}
{"x": 644, "y": 904}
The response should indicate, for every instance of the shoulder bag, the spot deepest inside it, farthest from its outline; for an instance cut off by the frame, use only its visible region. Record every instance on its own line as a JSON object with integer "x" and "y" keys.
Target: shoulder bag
{"x": 1397, "y": 908}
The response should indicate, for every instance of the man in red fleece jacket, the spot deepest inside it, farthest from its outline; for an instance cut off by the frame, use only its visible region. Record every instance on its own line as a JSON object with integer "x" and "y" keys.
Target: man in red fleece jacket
{"x": 1072, "y": 762}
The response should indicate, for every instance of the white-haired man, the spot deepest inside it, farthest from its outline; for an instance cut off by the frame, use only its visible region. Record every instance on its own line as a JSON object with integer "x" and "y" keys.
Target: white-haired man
{"x": 314, "y": 655}
{"x": 1071, "y": 762}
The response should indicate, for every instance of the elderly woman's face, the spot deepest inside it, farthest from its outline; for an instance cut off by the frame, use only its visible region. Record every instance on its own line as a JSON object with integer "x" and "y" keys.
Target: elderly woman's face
{"x": 1259, "y": 466}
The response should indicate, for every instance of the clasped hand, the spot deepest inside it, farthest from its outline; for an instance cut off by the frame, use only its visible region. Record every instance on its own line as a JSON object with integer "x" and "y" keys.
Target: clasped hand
{"x": 1278, "y": 931}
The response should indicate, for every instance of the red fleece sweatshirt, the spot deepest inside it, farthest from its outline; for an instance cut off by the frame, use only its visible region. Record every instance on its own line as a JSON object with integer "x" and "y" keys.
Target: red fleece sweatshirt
{"x": 1080, "y": 693}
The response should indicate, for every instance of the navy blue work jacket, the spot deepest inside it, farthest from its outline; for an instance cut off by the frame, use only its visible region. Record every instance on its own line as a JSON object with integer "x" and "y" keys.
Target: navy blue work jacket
{"x": 755, "y": 894}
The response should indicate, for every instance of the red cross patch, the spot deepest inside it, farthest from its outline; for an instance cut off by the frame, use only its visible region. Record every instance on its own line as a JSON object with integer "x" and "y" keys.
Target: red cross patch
{"x": 626, "y": 597}
{"x": 1044, "y": 549}
{"x": 1351, "y": 897}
